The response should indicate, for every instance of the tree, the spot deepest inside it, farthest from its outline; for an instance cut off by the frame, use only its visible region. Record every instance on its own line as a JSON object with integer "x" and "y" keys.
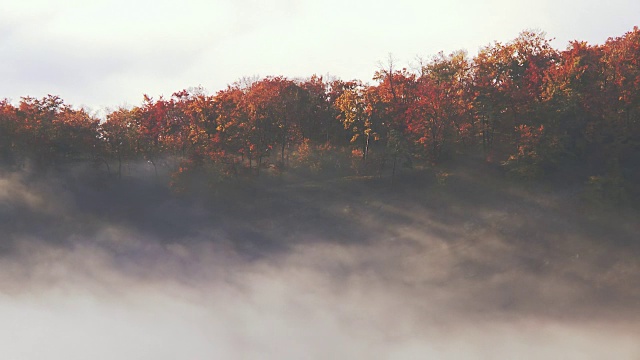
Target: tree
{"x": 620, "y": 130}
{"x": 120, "y": 136}
{"x": 318, "y": 120}
{"x": 36, "y": 129}
{"x": 440, "y": 116}
{"x": 151, "y": 120}
{"x": 233, "y": 136}
{"x": 75, "y": 135}
{"x": 356, "y": 110}
{"x": 573, "y": 102}
{"x": 508, "y": 89}
{"x": 8, "y": 132}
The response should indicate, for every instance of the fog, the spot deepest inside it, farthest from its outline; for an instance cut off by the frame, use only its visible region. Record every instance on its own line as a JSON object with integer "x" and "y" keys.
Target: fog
{"x": 339, "y": 269}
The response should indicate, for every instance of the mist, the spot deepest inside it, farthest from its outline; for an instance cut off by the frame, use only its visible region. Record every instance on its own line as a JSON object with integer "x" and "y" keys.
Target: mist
{"x": 472, "y": 268}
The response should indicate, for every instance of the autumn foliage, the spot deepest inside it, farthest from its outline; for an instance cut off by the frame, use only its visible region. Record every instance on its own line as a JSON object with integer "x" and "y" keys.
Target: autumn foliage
{"x": 521, "y": 105}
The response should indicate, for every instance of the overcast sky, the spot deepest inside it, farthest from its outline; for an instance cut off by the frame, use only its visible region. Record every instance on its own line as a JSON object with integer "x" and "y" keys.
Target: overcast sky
{"x": 108, "y": 53}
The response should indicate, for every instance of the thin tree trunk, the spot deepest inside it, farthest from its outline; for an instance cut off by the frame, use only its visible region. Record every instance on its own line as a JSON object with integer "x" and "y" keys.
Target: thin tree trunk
{"x": 155, "y": 168}
{"x": 393, "y": 169}
{"x": 119, "y": 167}
{"x": 366, "y": 150}
{"x": 106, "y": 163}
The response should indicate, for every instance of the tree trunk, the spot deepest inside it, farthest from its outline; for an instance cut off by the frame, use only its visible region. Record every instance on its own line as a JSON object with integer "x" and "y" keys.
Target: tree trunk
{"x": 119, "y": 167}
{"x": 155, "y": 168}
{"x": 366, "y": 151}
{"x": 393, "y": 169}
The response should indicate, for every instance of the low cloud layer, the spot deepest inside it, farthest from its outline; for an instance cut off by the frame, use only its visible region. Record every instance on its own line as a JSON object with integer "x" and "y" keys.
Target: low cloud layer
{"x": 311, "y": 272}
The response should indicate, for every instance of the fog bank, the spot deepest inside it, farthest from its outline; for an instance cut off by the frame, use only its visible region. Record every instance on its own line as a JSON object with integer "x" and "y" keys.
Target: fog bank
{"x": 312, "y": 271}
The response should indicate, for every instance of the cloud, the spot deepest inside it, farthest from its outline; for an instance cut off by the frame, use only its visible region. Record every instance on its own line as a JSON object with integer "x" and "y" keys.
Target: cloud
{"x": 288, "y": 309}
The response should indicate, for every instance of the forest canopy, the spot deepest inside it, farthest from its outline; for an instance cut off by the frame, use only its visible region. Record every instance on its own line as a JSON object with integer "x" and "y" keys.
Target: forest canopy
{"x": 530, "y": 109}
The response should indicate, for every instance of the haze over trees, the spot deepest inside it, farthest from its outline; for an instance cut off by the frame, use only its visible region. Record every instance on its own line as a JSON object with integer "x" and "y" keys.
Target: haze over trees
{"x": 526, "y": 107}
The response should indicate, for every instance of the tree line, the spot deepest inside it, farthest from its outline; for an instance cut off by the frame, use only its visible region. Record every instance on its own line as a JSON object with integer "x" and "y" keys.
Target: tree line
{"x": 523, "y": 105}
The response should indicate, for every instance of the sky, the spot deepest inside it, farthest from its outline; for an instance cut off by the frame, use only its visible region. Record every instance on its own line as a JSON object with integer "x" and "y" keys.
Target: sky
{"x": 104, "y": 54}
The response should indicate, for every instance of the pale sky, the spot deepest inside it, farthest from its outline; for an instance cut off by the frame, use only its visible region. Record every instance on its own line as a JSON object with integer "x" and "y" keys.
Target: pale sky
{"x": 108, "y": 53}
